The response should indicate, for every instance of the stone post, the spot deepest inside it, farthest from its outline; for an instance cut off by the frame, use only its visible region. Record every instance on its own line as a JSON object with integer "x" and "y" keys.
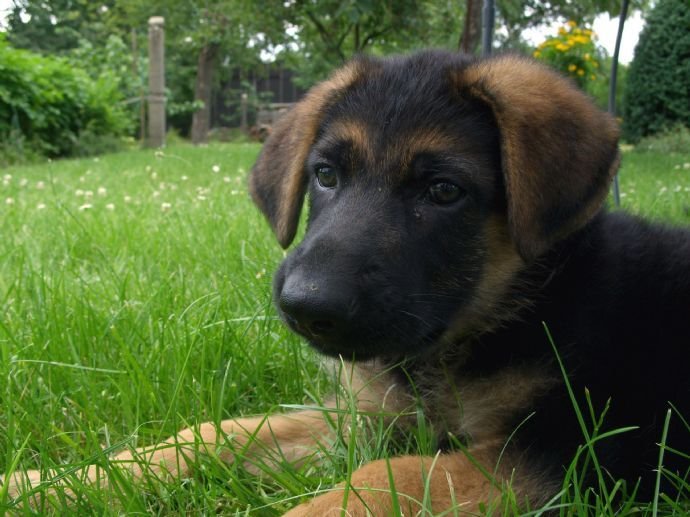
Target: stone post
{"x": 243, "y": 114}
{"x": 156, "y": 99}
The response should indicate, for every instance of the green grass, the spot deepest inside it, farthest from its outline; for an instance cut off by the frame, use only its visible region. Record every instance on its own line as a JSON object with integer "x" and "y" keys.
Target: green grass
{"x": 135, "y": 300}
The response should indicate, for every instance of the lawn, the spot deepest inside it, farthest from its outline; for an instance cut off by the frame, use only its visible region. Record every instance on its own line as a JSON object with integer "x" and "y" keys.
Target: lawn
{"x": 135, "y": 300}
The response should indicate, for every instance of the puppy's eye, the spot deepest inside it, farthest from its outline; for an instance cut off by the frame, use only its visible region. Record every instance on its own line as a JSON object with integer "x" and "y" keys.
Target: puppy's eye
{"x": 444, "y": 193}
{"x": 326, "y": 176}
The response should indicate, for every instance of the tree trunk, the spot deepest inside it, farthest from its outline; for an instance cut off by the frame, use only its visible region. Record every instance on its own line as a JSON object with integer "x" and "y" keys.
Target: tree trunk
{"x": 201, "y": 120}
{"x": 472, "y": 27}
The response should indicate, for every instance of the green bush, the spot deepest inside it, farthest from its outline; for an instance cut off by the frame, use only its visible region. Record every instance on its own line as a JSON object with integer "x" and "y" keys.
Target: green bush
{"x": 658, "y": 84}
{"x": 47, "y": 105}
{"x": 112, "y": 63}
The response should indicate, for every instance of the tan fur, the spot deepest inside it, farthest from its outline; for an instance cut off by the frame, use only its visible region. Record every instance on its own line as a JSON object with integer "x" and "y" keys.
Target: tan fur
{"x": 291, "y": 437}
{"x": 553, "y": 144}
{"x": 489, "y": 309}
{"x": 280, "y": 168}
{"x": 446, "y": 482}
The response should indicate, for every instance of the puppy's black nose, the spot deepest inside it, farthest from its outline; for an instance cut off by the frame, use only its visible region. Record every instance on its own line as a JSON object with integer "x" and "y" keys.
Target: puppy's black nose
{"x": 314, "y": 308}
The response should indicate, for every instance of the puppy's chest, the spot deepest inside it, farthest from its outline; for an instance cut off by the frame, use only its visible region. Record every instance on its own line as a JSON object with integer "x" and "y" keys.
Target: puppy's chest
{"x": 482, "y": 409}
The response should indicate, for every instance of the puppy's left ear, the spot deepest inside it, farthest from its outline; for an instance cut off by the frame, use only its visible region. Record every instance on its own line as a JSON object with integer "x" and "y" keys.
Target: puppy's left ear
{"x": 559, "y": 151}
{"x": 278, "y": 181}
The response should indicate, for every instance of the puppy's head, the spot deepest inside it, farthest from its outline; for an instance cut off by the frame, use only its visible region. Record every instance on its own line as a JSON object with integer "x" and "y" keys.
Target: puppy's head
{"x": 432, "y": 180}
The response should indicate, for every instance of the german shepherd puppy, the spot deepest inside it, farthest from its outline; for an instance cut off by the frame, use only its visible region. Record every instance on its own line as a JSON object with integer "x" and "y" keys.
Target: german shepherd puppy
{"x": 457, "y": 253}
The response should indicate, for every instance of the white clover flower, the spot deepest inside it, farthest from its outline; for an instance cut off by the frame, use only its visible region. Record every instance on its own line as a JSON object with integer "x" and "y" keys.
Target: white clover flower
{"x": 127, "y": 199}
{"x": 166, "y": 206}
{"x": 79, "y": 192}
{"x": 148, "y": 168}
{"x": 85, "y": 206}
{"x": 9, "y": 201}
{"x": 7, "y": 177}
{"x": 40, "y": 185}
{"x": 102, "y": 191}
{"x": 155, "y": 193}
{"x": 216, "y": 169}
{"x": 234, "y": 192}
{"x": 88, "y": 193}
{"x": 227, "y": 179}
{"x": 201, "y": 197}
{"x": 110, "y": 207}
{"x": 240, "y": 170}
{"x": 23, "y": 182}
{"x": 686, "y": 165}
{"x": 40, "y": 206}
{"x": 154, "y": 175}
{"x": 184, "y": 178}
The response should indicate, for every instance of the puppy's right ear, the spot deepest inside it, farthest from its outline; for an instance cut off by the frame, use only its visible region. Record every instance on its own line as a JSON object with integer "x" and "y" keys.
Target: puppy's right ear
{"x": 278, "y": 181}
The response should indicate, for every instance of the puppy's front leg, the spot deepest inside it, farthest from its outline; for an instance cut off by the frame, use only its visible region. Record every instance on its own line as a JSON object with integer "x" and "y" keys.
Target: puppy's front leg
{"x": 417, "y": 485}
{"x": 288, "y": 437}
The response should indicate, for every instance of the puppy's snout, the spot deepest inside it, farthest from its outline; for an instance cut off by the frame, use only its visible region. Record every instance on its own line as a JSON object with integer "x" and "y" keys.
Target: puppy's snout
{"x": 314, "y": 308}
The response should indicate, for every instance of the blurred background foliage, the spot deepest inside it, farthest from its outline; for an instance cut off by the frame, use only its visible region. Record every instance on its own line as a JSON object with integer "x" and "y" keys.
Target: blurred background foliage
{"x": 74, "y": 72}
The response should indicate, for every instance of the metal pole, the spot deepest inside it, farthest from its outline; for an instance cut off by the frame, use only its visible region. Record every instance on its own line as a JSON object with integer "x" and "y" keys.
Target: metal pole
{"x": 156, "y": 100}
{"x": 487, "y": 27}
{"x": 612, "y": 85}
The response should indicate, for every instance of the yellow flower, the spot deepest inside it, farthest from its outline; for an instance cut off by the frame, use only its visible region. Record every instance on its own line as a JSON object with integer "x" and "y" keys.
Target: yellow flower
{"x": 587, "y": 56}
{"x": 562, "y": 31}
{"x": 580, "y": 72}
{"x": 593, "y": 77}
{"x": 572, "y": 67}
{"x": 536, "y": 53}
{"x": 571, "y": 24}
{"x": 562, "y": 47}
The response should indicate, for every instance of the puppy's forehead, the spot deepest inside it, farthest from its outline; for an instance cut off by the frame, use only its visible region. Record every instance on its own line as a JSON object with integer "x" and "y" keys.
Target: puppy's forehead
{"x": 402, "y": 107}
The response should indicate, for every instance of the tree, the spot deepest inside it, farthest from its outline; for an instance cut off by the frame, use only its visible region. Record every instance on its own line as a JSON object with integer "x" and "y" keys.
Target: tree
{"x": 472, "y": 27}
{"x": 659, "y": 75}
{"x": 328, "y": 32}
{"x": 57, "y": 26}
{"x": 201, "y": 38}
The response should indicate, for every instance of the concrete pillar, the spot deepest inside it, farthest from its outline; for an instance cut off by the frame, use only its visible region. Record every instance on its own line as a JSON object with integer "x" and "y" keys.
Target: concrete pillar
{"x": 243, "y": 114}
{"x": 156, "y": 99}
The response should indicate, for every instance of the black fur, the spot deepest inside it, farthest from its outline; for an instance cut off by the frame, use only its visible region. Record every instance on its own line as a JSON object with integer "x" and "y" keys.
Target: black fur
{"x": 384, "y": 272}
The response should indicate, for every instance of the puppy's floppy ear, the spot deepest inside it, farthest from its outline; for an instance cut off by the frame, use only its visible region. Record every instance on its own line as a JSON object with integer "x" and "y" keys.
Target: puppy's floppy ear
{"x": 278, "y": 181}
{"x": 559, "y": 152}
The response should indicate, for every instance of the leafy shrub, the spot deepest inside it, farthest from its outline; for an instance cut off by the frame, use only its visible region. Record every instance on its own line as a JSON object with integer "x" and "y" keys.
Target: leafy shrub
{"x": 574, "y": 53}
{"x": 46, "y": 104}
{"x": 112, "y": 63}
{"x": 658, "y": 84}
